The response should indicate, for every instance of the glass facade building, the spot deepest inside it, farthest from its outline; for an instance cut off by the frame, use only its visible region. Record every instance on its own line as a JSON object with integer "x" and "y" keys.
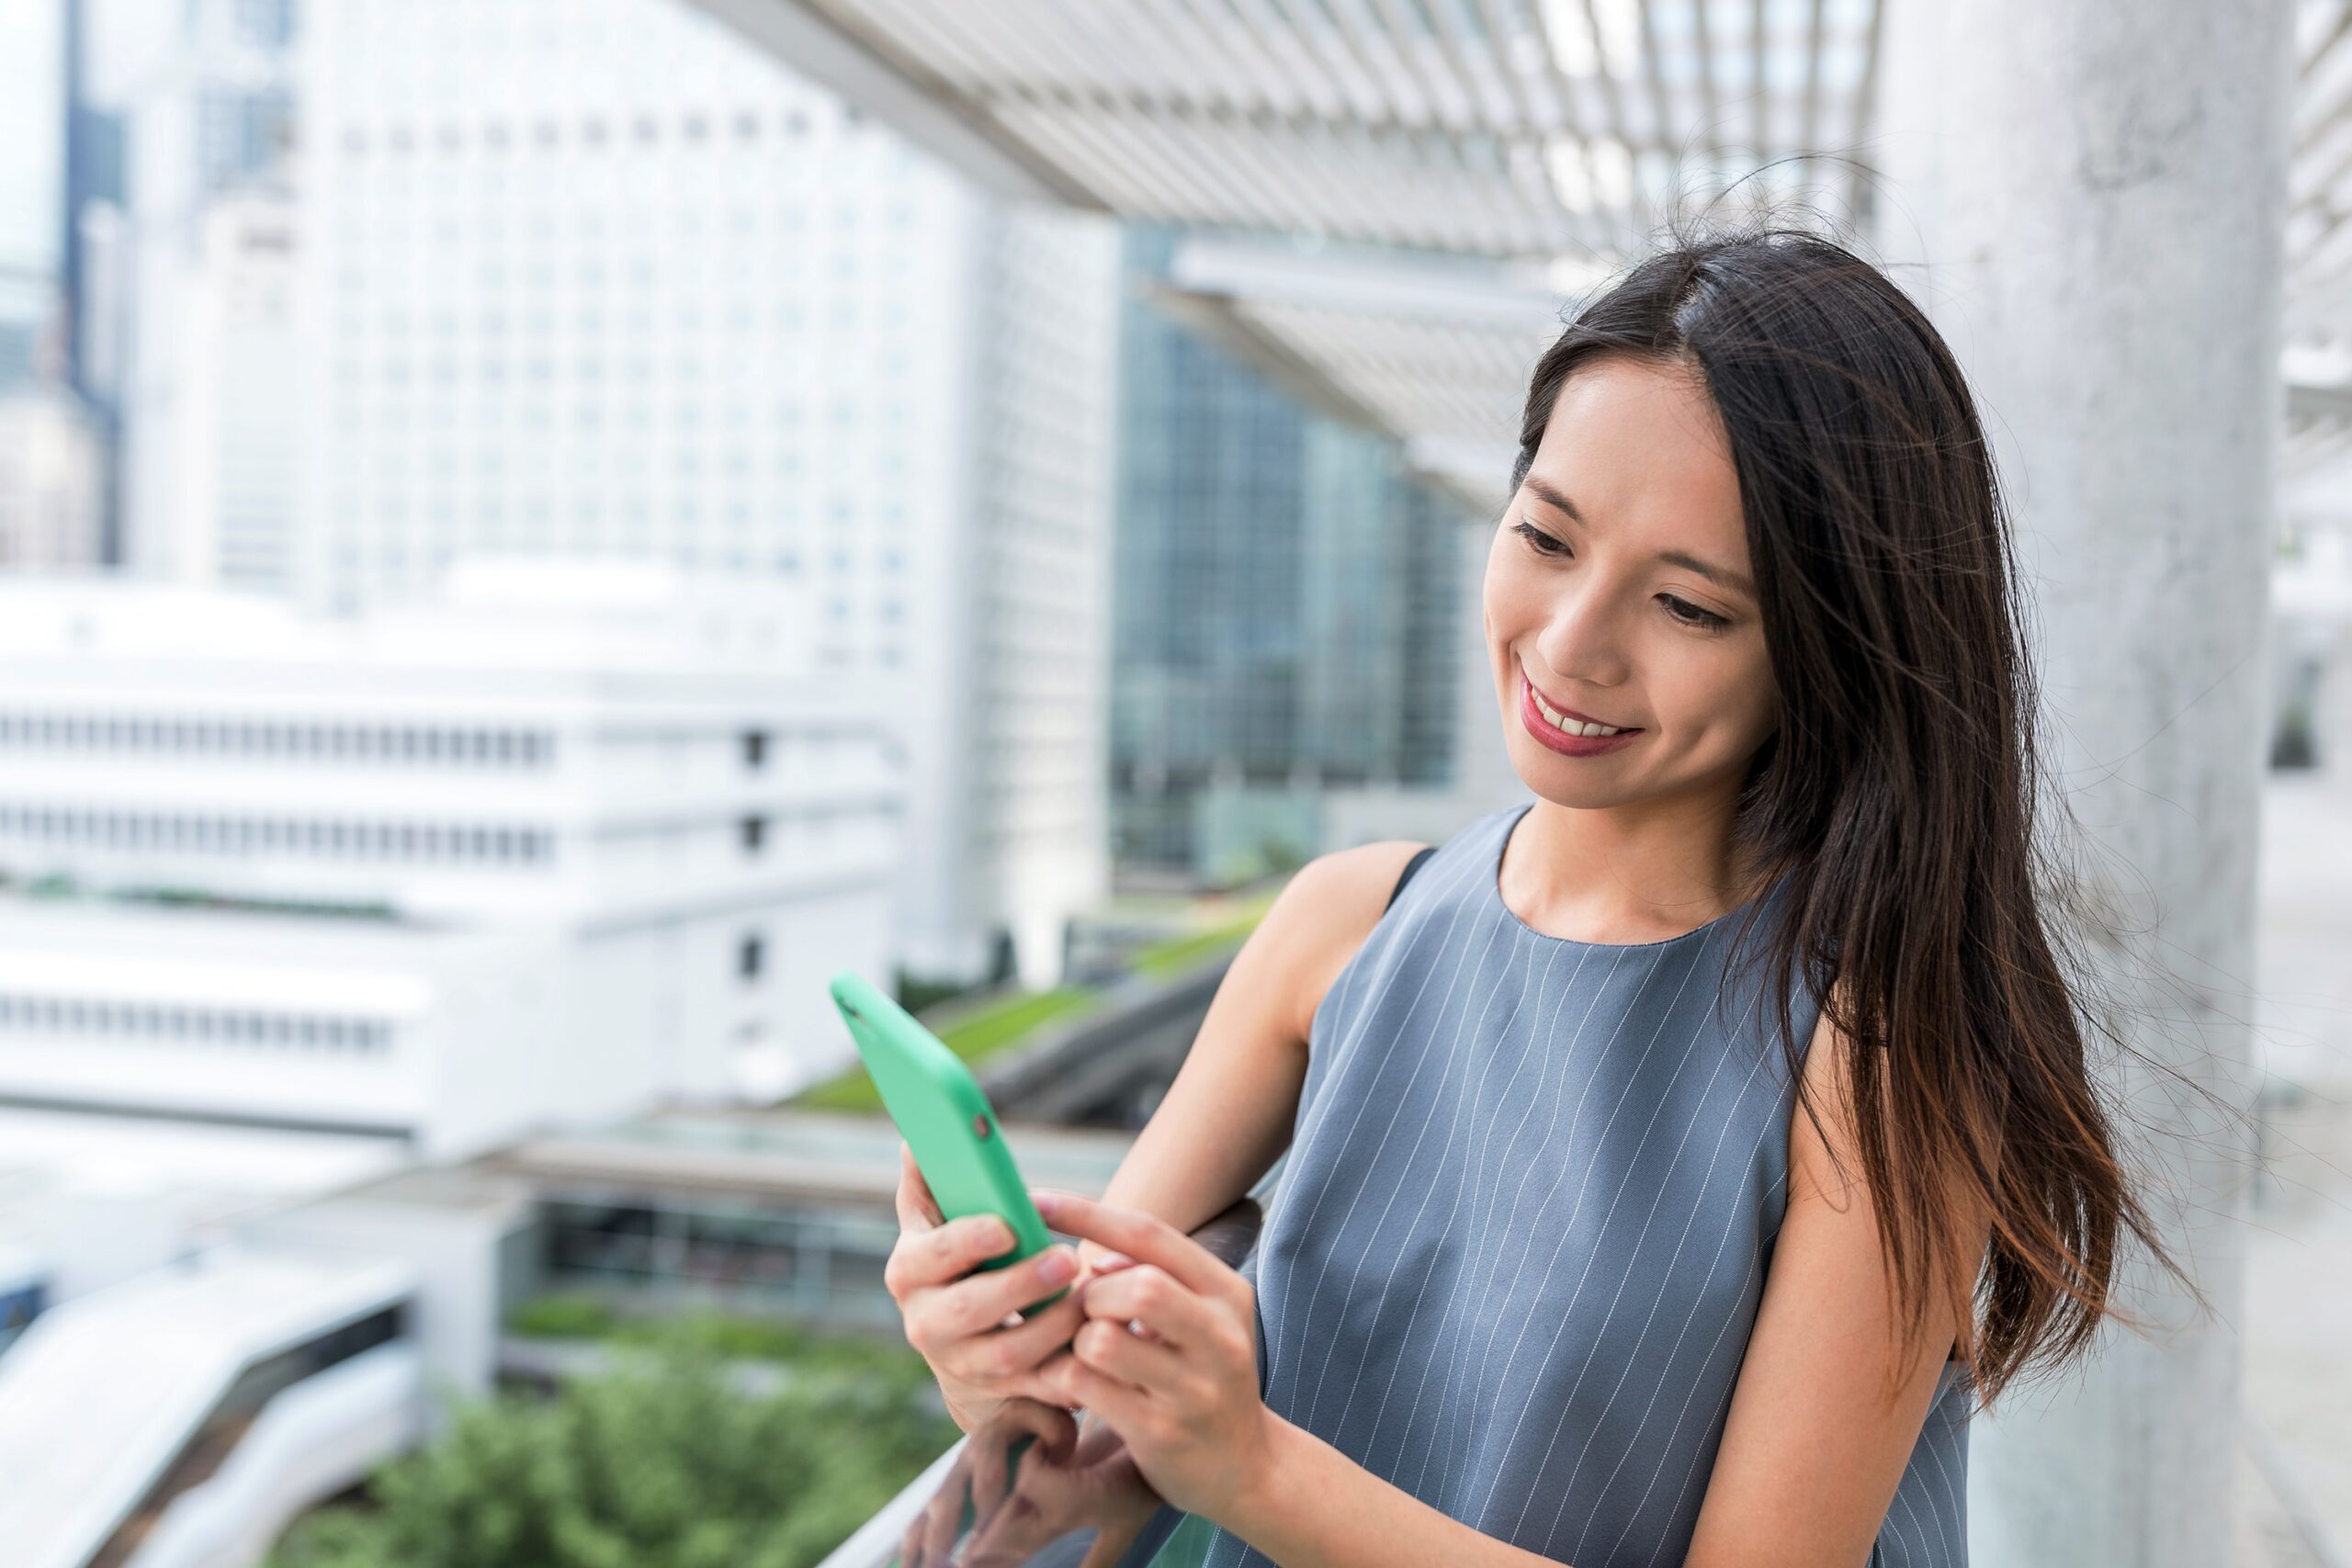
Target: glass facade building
{"x": 1286, "y": 592}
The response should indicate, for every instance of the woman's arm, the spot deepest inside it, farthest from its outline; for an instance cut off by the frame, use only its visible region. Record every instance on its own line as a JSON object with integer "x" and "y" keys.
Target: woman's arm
{"x": 1828, "y": 1408}
{"x": 1314, "y": 1507}
{"x": 1229, "y": 1112}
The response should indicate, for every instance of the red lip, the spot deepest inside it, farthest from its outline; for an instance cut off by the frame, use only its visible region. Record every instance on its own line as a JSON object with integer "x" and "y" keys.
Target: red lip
{"x": 1552, "y": 739}
{"x": 1565, "y": 711}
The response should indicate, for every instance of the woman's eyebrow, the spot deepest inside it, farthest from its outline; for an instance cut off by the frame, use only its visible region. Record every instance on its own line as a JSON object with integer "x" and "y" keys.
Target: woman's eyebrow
{"x": 1721, "y": 576}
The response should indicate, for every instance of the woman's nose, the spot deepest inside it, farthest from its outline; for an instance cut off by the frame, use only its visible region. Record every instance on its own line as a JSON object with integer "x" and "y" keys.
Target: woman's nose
{"x": 1583, "y": 643}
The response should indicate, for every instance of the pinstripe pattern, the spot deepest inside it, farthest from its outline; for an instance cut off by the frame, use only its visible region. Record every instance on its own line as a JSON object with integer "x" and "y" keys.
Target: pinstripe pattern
{"x": 1524, "y": 1228}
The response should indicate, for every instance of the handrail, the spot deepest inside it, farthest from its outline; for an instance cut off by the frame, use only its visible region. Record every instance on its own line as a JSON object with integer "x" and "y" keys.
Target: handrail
{"x": 1231, "y": 1235}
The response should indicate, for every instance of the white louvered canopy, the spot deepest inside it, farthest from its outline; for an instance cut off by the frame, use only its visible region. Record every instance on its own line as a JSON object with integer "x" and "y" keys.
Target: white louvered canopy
{"x": 1544, "y": 138}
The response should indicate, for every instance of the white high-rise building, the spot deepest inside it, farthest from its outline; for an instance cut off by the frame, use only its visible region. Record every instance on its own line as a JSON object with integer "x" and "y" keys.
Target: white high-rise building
{"x": 552, "y": 849}
{"x": 52, "y": 480}
{"x": 186, "y": 318}
{"x": 596, "y": 278}
{"x": 32, "y": 186}
{"x": 232, "y": 463}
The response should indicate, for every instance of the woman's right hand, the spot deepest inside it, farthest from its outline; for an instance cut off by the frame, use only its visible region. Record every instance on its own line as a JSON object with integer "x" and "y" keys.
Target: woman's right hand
{"x": 980, "y": 1351}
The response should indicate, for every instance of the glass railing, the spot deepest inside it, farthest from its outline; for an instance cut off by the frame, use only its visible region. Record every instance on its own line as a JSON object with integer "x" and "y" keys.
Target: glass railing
{"x": 1171, "y": 1540}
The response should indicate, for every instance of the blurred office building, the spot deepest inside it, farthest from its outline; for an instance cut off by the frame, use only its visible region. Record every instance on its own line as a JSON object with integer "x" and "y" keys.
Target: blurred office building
{"x": 32, "y": 190}
{"x": 58, "y": 161}
{"x": 219, "y": 465}
{"x": 185, "y": 315}
{"x": 548, "y": 849}
{"x": 52, "y": 479}
{"x": 598, "y": 278}
{"x": 1289, "y": 600}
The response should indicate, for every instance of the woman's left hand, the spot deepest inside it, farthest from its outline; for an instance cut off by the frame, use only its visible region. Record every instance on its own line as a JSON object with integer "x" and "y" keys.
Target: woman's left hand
{"x": 1180, "y": 1386}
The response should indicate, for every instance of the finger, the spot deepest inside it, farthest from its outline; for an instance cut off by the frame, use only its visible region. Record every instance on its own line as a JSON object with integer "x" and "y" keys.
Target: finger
{"x": 1111, "y": 1263}
{"x": 1001, "y": 1358}
{"x": 985, "y": 1300}
{"x": 1111, "y": 1349}
{"x": 1094, "y": 1255}
{"x": 1118, "y": 1403}
{"x": 1146, "y": 1238}
{"x": 1146, "y": 1295}
{"x": 946, "y": 1254}
{"x": 917, "y": 1210}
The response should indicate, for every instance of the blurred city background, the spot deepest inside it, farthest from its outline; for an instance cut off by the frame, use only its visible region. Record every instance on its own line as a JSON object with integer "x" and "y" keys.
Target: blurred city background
{"x": 533, "y": 531}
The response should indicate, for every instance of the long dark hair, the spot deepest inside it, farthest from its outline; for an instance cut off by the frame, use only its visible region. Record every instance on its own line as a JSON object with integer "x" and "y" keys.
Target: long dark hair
{"x": 1897, "y": 798}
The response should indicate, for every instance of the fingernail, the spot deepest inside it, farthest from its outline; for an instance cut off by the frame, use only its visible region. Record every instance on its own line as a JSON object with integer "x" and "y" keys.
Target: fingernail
{"x": 1106, "y": 1261}
{"x": 1046, "y": 1202}
{"x": 1059, "y": 1266}
{"x": 996, "y": 1233}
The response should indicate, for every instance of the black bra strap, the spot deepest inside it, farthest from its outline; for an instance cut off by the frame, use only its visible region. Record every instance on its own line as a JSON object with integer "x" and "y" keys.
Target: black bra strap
{"x": 1406, "y": 875}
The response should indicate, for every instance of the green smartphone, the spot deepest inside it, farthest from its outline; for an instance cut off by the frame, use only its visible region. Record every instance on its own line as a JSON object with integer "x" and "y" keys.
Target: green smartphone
{"x": 945, "y": 1118}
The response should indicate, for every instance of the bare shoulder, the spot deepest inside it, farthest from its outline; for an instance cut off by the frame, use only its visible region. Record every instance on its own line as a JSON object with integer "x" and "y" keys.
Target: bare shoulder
{"x": 1327, "y": 909}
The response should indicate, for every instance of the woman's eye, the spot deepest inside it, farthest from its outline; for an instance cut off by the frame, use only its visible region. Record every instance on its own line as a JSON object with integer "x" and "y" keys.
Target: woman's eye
{"x": 1682, "y": 610}
{"x": 1695, "y": 617}
{"x": 1544, "y": 544}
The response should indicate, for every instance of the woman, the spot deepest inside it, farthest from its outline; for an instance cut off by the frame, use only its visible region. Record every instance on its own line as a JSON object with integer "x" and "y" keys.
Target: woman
{"x": 1687, "y": 1152}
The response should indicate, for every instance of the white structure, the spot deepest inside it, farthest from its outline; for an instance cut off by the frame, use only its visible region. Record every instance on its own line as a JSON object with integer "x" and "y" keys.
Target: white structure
{"x": 52, "y": 480}
{"x": 595, "y": 277}
{"x": 32, "y": 188}
{"x": 183, "y": 316}
{"x": 229, "y": 471}
{"x": 295, "y": 1363}
{"x": 89, "y": 1199}
{"x": 551, "y": 852}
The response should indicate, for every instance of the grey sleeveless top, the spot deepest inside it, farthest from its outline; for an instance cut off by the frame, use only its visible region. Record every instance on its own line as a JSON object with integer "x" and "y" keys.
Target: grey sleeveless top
{"x": 1524, "y": 1225}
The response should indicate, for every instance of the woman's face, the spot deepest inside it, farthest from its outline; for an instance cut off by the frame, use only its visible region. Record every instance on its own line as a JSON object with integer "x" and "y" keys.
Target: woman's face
{"x": 1633, "y": 467}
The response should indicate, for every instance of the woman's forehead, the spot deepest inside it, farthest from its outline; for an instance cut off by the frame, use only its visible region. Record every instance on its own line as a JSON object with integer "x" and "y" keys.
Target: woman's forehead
{"x": 1641, "y": 447}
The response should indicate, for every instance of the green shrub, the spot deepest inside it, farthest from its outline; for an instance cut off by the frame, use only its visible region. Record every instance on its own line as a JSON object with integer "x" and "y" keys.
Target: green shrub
{"x": 660, "y": 1464}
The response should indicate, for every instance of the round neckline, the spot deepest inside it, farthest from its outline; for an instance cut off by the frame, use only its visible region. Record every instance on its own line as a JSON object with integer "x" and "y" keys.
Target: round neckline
{"x": 1495, "y": 892}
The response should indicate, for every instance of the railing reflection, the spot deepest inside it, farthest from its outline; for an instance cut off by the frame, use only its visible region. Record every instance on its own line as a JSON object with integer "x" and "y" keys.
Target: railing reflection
{"x": 1231, "y": 1235}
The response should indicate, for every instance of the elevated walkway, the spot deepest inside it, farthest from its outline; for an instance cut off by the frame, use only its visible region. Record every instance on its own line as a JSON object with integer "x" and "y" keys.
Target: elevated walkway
{"x": 116, "y": 1403}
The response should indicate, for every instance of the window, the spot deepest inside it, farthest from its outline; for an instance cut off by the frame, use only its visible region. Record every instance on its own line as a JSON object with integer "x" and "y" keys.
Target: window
{"x": 755, "y": 748}
{"x": 754, "y": 831}
{"x": 748, "y": 957}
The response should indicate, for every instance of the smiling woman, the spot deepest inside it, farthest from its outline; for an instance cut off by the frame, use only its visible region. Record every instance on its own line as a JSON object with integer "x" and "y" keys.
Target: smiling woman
{"x": 1752, "y": 617}
{"x": 1681, "y": 1159}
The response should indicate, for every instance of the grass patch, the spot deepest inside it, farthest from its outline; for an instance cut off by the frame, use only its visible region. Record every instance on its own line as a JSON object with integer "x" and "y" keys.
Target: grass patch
{"x": 975, "y": 1036}
{"x": 581, "y": 1314}
{"x": 1174, "y": 954}
{"x": 984, "y": 1030}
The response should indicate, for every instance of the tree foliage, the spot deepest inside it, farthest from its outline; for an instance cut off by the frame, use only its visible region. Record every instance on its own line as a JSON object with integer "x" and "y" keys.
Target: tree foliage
{"x": 662, "y": 1463}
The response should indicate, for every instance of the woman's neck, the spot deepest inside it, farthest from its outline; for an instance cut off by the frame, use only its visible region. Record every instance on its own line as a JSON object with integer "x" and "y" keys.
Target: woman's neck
{"x": 1623, "y": 875}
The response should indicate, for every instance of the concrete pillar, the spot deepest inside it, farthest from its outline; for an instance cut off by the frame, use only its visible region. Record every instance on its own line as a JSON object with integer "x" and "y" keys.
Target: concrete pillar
{"x": 1039, "y": 947}
{"x": 2096, "y": 192}
{"x": 1484, "y": 778}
